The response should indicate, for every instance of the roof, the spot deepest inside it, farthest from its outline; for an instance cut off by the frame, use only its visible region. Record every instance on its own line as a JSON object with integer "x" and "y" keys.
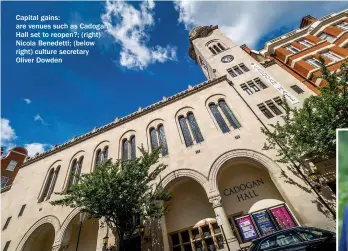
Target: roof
{"x": 120, "y": 121}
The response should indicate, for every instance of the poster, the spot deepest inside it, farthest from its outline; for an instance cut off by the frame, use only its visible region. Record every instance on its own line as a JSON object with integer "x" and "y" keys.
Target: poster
{"x": 246, "y": 228}
{"x": 283, "y": 217}
{"x": 264, "y": 222}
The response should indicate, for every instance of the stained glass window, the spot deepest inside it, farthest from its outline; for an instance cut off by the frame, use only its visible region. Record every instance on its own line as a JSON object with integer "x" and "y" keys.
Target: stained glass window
{"x": 105, "y": 153}
{"x": 48, "y": 183}
{"x": 185, "y": 131}
{"x": 194, "y": 127}
{"x": 163, "y": 141}
{"x": 229, "y": 114}
{"x": 153, "y": 138}
{"x": 125, "y": 150}
{"x": 133, "y": 147}
{"x": 98, "y": 159}
{"x": 219, "y": 119}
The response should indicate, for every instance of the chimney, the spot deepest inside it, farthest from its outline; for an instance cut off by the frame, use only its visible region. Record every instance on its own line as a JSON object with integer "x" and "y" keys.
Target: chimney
{"x": 307, "y": 20}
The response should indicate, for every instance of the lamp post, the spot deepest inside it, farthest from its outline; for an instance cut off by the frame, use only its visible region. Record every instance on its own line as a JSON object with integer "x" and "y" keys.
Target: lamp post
{"x": 82, "y": 218}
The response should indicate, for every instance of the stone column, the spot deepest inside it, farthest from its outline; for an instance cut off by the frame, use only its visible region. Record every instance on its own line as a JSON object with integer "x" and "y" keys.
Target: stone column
{"x": 219, "y": 211}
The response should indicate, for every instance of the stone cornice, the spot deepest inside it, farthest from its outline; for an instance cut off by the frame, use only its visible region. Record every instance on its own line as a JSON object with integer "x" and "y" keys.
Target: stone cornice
{"x": 121, "y": 121}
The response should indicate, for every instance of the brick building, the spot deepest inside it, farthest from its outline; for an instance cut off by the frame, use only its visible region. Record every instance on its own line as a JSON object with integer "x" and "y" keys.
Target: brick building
{"x": 10, "y": 164}
{"x": 298, "y": 51}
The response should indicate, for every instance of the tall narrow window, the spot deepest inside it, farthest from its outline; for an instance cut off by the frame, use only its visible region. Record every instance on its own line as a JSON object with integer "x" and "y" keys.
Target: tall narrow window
{"x": 246, "y": 89}
{"x": 260, "y": 83}
{"x": 185, "y": 131}
{"x": 195, "y": 128}
{"x": 232, "y": 73}
{"x": 132, "y": 148}
{"x": 236, "y": 69}
{"x": 217, "y": 49}
{"x": 106, "y": 153}
{"x": 163, "y": 141}
{"x": 273, "y": 107}
{"x": 7, "y": 222}
{"x": 125, "y": 149}
{"x": 221, "y": 47}
{"x": 229, "y": 114}
{"x": 75, "y": 172}
{"x": 153, "y": 138}
{"x": 219, "y": 119}
{"x": 47, "y": 184}
{"x": 212, "y": 50}
{"x": 54, "y": 181}
{"x": 98, "y": 158}
{"x": 244, "y": 68}
{"x": 22, "y": 210}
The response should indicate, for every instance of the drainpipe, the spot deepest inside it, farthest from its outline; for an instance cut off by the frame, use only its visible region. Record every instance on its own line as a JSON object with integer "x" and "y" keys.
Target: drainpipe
{"x": 292, "y": 162}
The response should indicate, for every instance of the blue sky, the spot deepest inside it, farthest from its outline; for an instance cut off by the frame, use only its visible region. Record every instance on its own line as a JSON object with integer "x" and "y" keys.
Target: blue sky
{"x": 142, "y": 61}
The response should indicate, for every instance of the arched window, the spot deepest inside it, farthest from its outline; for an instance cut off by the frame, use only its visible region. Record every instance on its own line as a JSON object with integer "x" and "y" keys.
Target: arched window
{"x": 185, "y": 131}
{"x": 132, "y": 147}
{"x": 125, "y": 149}
{"x": 99, "y": 157}
{"x": 75, "y": 172}
{"x": 47, "y": 184}
{"x": 162, "y": 140}
{"x": 53, "y": 184}
{"x": 153, "y": 138}
{"x": 194, "y": 128}
{"x": 229, "y": 114}
{"x": 105, "y": 153}
{"x": 218, "y": 117}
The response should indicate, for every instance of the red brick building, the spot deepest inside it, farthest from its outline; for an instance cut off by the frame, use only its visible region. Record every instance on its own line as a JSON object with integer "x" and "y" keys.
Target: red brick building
{"x": 298, "y": 51}
{"x": 10, "y": 164}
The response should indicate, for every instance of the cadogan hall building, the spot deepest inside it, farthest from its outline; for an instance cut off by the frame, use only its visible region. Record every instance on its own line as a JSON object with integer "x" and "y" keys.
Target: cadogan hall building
{"x": 226, "y": 189}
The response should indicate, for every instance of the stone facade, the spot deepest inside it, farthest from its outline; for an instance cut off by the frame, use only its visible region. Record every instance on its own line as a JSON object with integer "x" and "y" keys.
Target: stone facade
{"x": 225, "y": 174}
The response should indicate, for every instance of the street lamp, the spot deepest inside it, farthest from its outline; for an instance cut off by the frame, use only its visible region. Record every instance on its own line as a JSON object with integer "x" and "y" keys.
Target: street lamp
{"x": 82, "y": 216}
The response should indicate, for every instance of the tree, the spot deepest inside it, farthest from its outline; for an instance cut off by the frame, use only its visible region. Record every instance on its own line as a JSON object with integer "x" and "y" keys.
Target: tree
{"x": 310, "y": 132}
{"x": 120, "y": 192}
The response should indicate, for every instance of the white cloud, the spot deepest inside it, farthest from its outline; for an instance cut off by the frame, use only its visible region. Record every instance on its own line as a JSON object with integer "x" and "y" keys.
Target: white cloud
{"x": 28, "y": 101}
{"x": 37, "y": 117}
{"x": 129, "y": 27}
{"x": 34, "y": 148}
{"x": 8, "y": 134}
{"x": 247, "y": 22}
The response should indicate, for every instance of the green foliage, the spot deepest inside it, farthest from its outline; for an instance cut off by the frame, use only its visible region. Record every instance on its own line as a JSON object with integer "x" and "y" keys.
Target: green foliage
{"x": 120, "y": 191}
{"x": 343, "y": 174}
{"x": 310, "y": 131}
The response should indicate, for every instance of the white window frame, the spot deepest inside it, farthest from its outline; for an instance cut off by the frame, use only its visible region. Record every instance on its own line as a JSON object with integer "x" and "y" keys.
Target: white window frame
{"x": 313, "y": 61}
{"x": 330, "y": 55}
{"x": 343, "y": 25}
{"x": 305, "y": 43}
{"x": 325, "y": 36}
{"x": 292, "y": 49}
{"x": 11, "y": 166}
